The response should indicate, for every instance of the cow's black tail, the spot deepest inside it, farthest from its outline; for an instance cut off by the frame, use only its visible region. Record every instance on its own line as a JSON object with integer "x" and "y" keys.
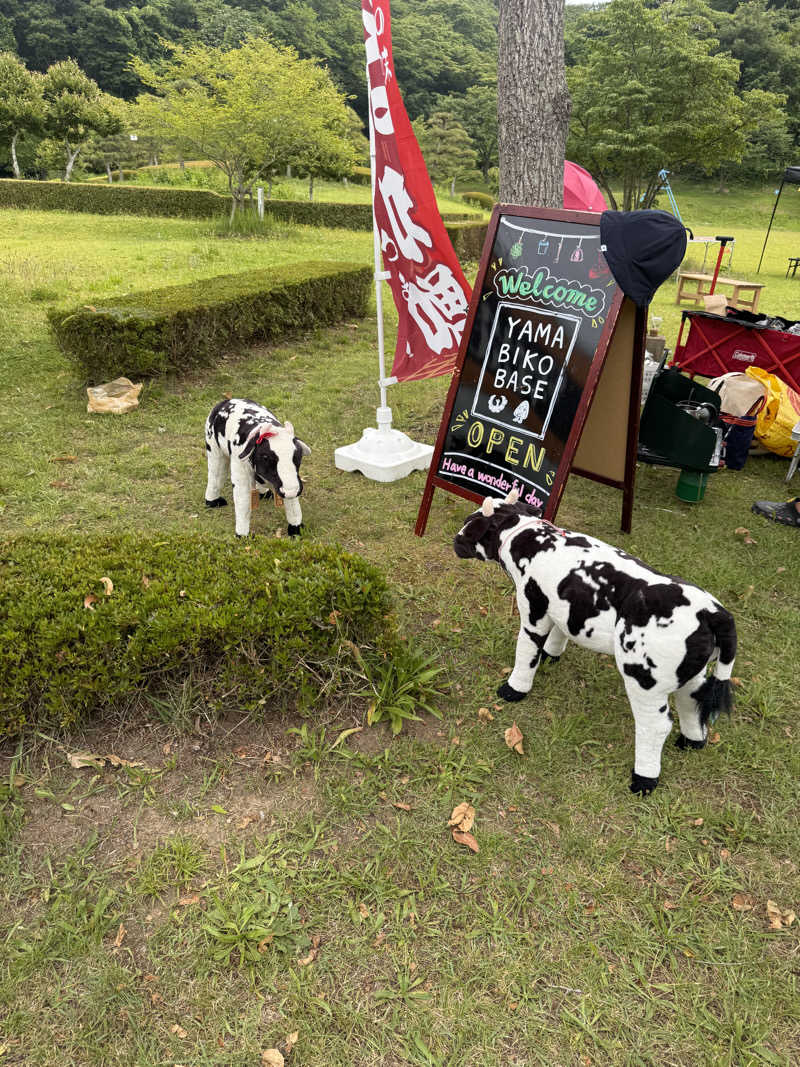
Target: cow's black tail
{"x": 715, "y": 695}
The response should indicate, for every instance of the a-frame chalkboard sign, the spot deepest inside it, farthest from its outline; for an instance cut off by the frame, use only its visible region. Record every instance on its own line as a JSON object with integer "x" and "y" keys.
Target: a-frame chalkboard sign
{"x": 548, "y": 378}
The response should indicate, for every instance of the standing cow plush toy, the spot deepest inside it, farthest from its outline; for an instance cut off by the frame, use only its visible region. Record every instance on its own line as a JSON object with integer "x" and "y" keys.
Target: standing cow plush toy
{"x": 248, "y": 442}
{"x": 662, "y": 632}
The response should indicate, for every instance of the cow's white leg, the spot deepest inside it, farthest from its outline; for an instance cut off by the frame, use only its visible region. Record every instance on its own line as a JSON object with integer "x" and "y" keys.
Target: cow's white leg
{"x": 653, "y": 724}
{"x": 555, "y": 644}
{"x": 218, "y": 467}
{"x": 243, "y": 482}
{"x": 692, "y": 734}
{"x": 530, "y": 641}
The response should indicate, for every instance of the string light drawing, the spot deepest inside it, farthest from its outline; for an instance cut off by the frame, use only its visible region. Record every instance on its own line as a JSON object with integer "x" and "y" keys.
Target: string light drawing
{"x": 544, "y": 244}
{"x": 558, "y": 253}
{"x": 577, "y": 255}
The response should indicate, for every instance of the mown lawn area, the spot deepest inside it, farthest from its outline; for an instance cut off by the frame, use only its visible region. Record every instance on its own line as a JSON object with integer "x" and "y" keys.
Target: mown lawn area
{"x": 591, "y": 928}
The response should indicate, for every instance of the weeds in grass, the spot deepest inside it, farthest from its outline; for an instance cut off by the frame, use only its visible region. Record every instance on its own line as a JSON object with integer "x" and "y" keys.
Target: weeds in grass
{"x": 176, "y": 863}
{"x": 399, "y": 686}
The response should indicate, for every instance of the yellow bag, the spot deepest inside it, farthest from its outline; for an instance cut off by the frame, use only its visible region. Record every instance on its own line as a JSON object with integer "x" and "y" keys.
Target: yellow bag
{"x": 779, "y": 416}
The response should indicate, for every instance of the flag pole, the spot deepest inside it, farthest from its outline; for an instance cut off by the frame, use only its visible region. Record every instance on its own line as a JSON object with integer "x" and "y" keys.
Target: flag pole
{"x": 382, "y": 454}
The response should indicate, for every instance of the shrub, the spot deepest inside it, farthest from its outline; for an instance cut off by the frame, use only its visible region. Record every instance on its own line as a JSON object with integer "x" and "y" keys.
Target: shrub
{"x": 100, "y": 198}
{"x": 184, "y": 326}
{"x": 479, "y": 199}
{"x": 335, "y": 216}
{"x": 467, "y": 238}
{"x": 262, "y": 618}
{"x": 361, "y": 176}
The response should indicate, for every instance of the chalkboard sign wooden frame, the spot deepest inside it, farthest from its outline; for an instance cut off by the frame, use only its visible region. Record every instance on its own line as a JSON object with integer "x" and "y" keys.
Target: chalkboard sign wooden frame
{"x": 549, "y": 371}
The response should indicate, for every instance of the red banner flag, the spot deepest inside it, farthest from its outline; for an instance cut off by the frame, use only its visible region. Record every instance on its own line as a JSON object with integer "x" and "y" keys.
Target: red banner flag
{"x": 429, "y": 288}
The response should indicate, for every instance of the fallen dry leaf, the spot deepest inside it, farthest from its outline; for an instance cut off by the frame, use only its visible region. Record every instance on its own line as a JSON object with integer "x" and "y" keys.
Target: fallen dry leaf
{"x": 178, "y": 1031}
{"x": 698, "y": 822}
{"x": 715, "y": 738}
{"x": 742, "y": 902}
{"x": 85, "y": 759}
{"x": 59, "y": 485}
{"x": 779, "y": 917}
{"x": 272, "y": 1058}
{"x": 88, "y": 600}
{"x": 724, "y": 854}
{"x": 306, "y": 960}
{"x": 513, "y": 736}
{"x": 184, "y": 902}
{"x": 108, "y": 585}
{"x": 462, "y": 817}
{"x": 63, "y": 459}
{"x": 363, "y": 910}
{"x": 242, "y": 824}
{"x": 485, "y": 715}
{"x": 463, "y": 838}
{"x": 399, "y": 804}
{"x": 120, "y": 936}
{"x": 291, "y": 1041}
{"x": 118, "y": 761}
{"x": 145, "y": 581}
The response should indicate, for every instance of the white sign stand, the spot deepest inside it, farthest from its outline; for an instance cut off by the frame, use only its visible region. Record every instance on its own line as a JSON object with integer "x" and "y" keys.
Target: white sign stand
{"x": 382, "y": 454}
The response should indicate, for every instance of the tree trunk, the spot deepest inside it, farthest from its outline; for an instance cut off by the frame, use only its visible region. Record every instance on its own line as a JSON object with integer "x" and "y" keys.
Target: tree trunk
{"x": 14, "y": 163}
{"x": 119, "y": 170}
{"x": 453, "y": 189}
{"x": 311, "y": 187}
{"x": 110, "y": 175}
{"x": 533, "y": 103}
{"x": 71, "y": 157}
{"x": 269, "y": 187}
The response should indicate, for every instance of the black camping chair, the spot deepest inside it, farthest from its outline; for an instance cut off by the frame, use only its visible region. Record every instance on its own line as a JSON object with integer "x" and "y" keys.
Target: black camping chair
{"x": 680, "y": 424}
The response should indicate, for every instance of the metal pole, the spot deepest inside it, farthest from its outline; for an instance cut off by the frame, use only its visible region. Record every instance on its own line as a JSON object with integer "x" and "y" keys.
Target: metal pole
{"x": 772, "y": 216}
{"x": 722, "y": 242}
{"x": 380, "y": 275}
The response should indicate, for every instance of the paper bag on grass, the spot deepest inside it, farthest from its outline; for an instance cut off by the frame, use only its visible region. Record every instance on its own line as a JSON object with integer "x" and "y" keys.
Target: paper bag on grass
{"x": 114, "y": 398}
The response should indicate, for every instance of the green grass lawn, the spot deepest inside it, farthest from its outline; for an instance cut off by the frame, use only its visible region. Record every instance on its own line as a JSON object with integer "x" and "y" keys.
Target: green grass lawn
{"x": 591, "y": 928}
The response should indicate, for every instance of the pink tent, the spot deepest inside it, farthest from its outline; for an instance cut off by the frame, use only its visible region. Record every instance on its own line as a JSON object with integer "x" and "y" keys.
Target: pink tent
{"x": 580, "y": 191}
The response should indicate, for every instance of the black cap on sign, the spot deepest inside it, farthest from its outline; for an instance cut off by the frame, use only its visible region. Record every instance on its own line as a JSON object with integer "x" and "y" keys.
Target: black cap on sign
{"x": 642, "y": 248}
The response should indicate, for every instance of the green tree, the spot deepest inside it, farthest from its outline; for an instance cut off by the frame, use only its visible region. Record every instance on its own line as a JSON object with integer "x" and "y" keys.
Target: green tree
{"x": 21, "y": 104}
{"x": 249, "y": 110}
{"x": 476, "y": 110}
{"x": 651, "y": 94}
{"x": 447, "y": 148}
{"x": 74, "y": 109}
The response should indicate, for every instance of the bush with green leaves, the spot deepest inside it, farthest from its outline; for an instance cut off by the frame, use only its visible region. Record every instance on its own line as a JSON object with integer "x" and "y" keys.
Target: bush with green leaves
{"x": 467, "y": 238}
{"x": 91, "y": 624}
{"x": 178, "y": 328}
{"x": 102, "y": 198}
{"x": 479, "y": 199}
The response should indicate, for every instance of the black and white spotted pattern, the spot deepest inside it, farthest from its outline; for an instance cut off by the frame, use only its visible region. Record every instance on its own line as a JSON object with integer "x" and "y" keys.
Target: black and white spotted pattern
{"x": 248, "y": 443}
{"x": 663, "y": 632}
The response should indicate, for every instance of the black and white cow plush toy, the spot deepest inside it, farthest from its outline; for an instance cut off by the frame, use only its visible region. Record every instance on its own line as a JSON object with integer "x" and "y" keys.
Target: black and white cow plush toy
{"x": 246, "y": 440}
{"x": 663, "y": 632}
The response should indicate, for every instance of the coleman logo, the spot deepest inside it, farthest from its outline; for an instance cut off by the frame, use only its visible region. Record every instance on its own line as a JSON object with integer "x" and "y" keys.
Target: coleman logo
{"x": 744, "y": 357}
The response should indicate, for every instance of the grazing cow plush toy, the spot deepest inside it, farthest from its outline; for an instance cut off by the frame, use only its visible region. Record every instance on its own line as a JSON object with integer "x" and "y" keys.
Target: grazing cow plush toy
{"x": 247, "y": 441}
{"x": 662, "y": 632}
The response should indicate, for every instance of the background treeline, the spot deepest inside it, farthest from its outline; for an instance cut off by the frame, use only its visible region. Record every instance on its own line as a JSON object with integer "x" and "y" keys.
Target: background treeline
{"x": 699, "y": 88}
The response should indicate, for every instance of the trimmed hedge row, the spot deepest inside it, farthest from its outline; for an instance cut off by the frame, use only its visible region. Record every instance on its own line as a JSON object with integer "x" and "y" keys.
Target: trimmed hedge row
{"x": 184, "y": 326}
{"x": 467, "y": 238}
{"x": 251, "y": 616}
{"x": 100, "y": 198}
{"x": 335, "y": 216}
{"x": 483, "y": 200}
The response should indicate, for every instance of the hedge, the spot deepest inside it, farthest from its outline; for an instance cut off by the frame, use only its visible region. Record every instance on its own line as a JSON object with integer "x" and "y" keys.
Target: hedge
{"x": 483, "y": 200}
{"x": 335, "y": 216}
{"x": 90, "y": 624}
{"x": 467, "y": 238}
{"x": 184, "y": 326}
{"x": 100, "y": 198}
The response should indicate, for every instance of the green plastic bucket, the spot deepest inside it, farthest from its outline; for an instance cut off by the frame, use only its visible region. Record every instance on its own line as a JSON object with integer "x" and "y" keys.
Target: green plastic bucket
{"x": 691, "y": 486}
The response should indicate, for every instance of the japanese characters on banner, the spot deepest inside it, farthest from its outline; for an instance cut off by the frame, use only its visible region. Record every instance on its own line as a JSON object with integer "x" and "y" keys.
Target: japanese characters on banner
{"x": 427, "y": 283}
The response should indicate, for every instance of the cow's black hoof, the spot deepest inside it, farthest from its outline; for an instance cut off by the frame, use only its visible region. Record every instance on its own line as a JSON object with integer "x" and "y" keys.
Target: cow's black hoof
{"x": 220, "y": 502}
{"x": 507, "y": 692}
{"x": 641, "y": 785}
{"x": 243, "y": 537}
{"x": 295, "y": 531}
{"x": 688, "y": 742}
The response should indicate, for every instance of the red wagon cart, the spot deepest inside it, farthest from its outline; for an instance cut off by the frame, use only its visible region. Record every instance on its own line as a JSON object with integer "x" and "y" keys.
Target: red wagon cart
{"x": 713, "y": 345}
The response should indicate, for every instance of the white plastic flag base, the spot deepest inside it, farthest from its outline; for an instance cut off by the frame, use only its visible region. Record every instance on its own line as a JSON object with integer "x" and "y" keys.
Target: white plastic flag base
{"x": 384, "y": 454}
